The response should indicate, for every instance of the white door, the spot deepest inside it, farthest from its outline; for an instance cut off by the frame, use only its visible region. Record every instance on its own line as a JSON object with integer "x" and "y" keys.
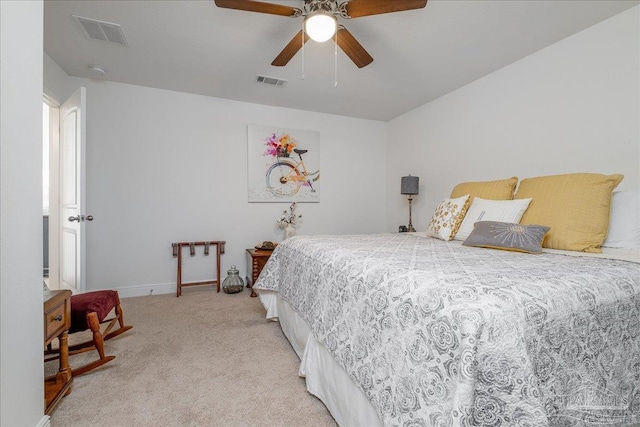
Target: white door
{"x": 72, "y": 192}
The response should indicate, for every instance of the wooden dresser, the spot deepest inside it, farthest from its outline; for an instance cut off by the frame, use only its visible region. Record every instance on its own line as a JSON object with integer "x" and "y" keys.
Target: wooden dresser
{"x": 57, "y": 320}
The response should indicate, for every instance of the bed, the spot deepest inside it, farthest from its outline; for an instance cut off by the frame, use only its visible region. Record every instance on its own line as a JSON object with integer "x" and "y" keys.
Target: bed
{"x": 434, "y": 333}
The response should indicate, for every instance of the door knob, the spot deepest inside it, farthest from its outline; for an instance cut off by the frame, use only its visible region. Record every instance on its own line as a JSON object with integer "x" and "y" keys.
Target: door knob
{"x": 80, "y": 218}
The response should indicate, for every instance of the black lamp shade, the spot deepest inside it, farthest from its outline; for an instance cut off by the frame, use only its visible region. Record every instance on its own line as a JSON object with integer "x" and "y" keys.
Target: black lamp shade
{"x": 409, "y": 185}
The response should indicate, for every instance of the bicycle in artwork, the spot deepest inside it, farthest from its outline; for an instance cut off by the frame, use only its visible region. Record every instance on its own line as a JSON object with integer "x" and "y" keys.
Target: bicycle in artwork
{"x": 286, "y": 176}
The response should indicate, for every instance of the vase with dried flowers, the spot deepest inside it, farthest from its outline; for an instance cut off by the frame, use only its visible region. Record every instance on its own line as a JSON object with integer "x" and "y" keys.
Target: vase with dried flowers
{"x": 288, "y": 220}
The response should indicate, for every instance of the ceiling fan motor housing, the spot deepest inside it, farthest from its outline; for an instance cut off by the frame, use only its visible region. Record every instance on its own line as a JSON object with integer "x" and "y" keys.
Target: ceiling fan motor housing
{"x": 328, "y": 7}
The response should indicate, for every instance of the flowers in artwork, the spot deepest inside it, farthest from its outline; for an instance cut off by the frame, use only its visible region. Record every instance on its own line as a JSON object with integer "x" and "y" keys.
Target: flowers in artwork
{"x": 289, "y": 217}
{"x": 279, "y": 146}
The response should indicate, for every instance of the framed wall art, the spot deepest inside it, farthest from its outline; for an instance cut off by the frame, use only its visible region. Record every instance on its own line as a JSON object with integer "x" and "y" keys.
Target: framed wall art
{"x": 283, "y": 165}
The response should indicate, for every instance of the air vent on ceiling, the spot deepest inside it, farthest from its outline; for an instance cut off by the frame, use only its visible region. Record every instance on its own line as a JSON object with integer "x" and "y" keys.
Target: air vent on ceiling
{"x": 104, "y": 31}
{"x": 271, "y": 81}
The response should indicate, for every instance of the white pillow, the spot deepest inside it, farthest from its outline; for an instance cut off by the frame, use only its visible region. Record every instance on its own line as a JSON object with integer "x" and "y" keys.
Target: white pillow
{"x": 447, "y": 218}
{"x": 624, "y": 220}
{"x": 492, "y": 210}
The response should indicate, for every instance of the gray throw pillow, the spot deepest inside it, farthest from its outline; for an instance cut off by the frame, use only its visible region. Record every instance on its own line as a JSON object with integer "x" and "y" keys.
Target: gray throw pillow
{"x": 507, "y": 236}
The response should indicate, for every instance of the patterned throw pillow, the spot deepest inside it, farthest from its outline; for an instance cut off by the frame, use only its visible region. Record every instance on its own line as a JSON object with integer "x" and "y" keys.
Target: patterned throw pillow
{"x": 507, "y": 236}
{"x": 447, "y": 218}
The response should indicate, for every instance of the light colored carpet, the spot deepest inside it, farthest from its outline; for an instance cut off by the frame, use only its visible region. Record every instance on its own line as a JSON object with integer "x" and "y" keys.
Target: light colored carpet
{"x": 204, "y": 359}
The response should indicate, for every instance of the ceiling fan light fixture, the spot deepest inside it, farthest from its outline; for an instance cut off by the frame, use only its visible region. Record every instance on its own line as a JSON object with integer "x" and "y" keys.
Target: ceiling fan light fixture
{"x": 320, "y": 26}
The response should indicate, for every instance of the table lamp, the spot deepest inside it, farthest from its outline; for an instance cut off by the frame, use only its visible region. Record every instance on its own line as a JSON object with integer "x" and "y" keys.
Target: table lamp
{"x": 409, "y": 185}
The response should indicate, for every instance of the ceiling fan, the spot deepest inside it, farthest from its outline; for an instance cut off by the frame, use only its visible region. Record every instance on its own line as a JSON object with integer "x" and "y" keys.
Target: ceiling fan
{"x": 321, "y": 23}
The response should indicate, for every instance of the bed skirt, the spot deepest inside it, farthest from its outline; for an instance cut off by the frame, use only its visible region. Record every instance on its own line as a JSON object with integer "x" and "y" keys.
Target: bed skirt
{"x": 325, "y": 379}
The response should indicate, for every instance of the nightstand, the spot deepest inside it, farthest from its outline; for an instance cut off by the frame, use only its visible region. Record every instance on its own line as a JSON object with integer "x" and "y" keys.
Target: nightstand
{"x": 259, "y": 258}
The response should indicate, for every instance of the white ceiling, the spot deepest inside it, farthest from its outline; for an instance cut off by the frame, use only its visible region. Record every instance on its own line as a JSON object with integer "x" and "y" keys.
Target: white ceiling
{"x": 419, "y": 55}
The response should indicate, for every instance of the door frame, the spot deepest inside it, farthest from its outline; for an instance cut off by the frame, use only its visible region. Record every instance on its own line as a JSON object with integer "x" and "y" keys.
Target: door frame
{"x": 54, "y": 191}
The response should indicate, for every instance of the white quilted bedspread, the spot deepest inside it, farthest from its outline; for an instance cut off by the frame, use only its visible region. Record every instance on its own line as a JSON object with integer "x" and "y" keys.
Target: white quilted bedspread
{"x": 438, "y": 334}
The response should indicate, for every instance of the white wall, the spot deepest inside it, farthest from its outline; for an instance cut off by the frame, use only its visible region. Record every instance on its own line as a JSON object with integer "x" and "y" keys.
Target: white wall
{"x": 571, "y": 107}
{"x": 165, "y": 166}
{"x": 21, "y": 368}
{"x": 56, "y": 83}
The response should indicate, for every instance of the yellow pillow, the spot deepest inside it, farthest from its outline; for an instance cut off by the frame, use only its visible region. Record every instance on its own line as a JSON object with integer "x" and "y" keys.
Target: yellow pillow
{"x": 492, "y": 190}
{"x": 576, "y": 207}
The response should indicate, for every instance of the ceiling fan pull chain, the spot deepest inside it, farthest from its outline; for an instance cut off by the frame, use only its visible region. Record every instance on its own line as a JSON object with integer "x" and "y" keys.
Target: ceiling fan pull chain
{"x": 302, "y": 34}
{"x": 335, "y": 57}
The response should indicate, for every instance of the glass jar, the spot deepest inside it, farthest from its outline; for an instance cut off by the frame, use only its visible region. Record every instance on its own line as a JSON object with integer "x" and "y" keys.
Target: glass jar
{"x": 233, "y": 283}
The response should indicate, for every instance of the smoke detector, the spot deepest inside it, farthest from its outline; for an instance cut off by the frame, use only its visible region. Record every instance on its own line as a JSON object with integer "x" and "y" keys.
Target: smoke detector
{"x": 97, "y": 70}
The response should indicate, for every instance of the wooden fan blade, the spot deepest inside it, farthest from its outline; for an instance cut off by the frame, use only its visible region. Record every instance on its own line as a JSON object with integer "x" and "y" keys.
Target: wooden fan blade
{"x": 290, "y": 50}
{"x": 353, "y": 49}
{"x": 358, "y": 8}
{"x": 258, "y": 6}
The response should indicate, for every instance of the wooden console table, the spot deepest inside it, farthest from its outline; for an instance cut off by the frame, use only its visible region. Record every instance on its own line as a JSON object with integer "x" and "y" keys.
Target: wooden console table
{"x": 57, "y": 321}
{"x": 259, "y": 258}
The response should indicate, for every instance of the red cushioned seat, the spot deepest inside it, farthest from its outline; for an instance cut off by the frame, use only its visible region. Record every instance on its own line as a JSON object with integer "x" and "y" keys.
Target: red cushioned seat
{"x": 100, "y": 302}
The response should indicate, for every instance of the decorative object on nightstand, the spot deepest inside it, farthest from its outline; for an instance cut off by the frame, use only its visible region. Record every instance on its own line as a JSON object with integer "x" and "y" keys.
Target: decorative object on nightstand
{"x": 289, "y": 231}
{"x": 266, "y": 245}
{"x": 233, "y": 283}
{"x": 409, "y": 186}
{"x": 289, "y": 220}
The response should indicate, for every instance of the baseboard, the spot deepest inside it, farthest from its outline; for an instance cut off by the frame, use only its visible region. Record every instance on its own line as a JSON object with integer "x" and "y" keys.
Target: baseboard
{"x": 44, "y": 422}
{"x": 146, "y": 290}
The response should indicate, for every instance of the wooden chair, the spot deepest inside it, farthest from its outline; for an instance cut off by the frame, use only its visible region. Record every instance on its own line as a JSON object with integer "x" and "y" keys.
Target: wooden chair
{"x": 90, "y": 311}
